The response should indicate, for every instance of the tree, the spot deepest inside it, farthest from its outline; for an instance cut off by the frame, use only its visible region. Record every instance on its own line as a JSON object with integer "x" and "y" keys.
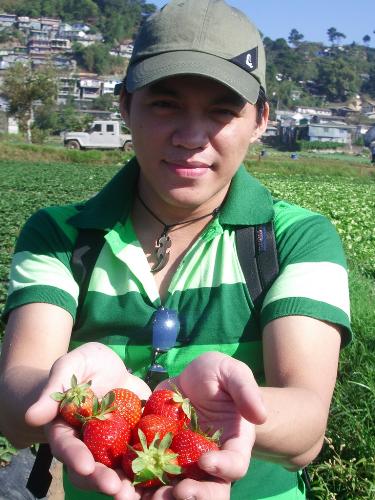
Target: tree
{"x": 295, "y": 37}
{"x": 96, "y": 58}
{"x": 337, "y": 78}
{"x": 366, "y": 39}
{"x": 104, "y": 102}
{"x": 335, "y": 36}
{"x": 24, "y": 87}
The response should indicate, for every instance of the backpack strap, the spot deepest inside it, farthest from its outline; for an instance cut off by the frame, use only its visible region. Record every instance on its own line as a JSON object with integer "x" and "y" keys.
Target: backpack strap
{"x": 85, "y": 253}
{"x": 257, "y": 253}
{"x": 40, "y": 477}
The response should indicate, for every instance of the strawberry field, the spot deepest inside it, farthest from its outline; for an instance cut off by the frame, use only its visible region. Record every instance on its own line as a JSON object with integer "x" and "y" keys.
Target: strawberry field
{"x": 340, "y": 189}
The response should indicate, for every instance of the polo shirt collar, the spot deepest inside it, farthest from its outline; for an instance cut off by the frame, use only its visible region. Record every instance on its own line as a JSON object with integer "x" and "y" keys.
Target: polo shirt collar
{"x": 112, "y": 204}
{"x": 247, "y": 202}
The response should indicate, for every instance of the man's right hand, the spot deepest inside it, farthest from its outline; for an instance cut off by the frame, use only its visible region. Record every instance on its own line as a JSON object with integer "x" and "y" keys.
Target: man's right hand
{"x": 96, "y": 362}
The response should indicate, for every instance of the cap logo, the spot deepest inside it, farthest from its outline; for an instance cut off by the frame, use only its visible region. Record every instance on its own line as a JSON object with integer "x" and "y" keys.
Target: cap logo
{"x": 247, "y": 60}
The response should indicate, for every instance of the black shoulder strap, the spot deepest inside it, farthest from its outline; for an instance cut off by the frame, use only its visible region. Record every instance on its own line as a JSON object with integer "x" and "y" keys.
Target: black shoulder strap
{"x": 257, "y": 253}
{"x": 85, "y": 253}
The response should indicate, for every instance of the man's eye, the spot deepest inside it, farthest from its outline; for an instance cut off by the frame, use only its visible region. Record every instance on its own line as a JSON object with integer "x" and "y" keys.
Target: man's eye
{"x": 161, "y": 104}
{"x": 225, "y": 112}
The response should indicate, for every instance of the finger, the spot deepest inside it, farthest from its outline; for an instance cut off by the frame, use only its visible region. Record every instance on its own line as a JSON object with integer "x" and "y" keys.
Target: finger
{"x": 238, "y": 380}
{"x": 127, "y": 490}
{"x": 162, "y": 493}
{"x": 138, "y": 386}
{"x": 69, "y": 449}
{"x": 45, "y": 409}
{"x": 102, "y": 479}
{"x": 225, "y": 464}
{"x": 201, "y": 490}
{"x": 232, "y": 461}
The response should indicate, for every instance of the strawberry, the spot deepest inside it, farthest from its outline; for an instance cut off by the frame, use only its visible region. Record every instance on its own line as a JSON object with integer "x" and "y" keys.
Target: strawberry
{"x": 150, "y": 425}
{"x": 190, "y": 446}
{"x": 150, "y": 465}
{"x": 75, "y": 402}
{"x": 106, "y": 433}
{"x": 128, "y": 404}
{"x": 171, "y": 404}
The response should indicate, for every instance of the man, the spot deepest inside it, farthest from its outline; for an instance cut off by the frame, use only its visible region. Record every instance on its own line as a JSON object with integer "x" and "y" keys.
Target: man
{"x": 194, "y": 98}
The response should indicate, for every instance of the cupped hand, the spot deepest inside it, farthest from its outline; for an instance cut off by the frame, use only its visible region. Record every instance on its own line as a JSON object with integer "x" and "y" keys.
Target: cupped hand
{"x": 96, "y": 362}
{"x": 227, "y": 398}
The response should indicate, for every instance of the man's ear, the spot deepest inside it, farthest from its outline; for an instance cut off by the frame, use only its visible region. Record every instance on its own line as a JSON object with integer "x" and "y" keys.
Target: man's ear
{"x": 125, "y": 106}
{"x": 262, "y": 124}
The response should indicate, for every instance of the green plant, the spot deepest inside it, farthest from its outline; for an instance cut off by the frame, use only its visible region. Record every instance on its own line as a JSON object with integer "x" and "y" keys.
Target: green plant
{"x": 339, "y": 186}
{"x": 7, "y": 451}
{"x": 303, "y": 145}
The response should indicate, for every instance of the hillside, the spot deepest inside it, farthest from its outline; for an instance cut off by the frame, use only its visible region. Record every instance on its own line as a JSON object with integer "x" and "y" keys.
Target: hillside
{"x": 299, "y": 72}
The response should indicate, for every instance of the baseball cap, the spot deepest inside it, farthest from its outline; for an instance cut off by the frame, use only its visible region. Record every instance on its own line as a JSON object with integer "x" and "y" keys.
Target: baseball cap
{"x": 199, "y": 37}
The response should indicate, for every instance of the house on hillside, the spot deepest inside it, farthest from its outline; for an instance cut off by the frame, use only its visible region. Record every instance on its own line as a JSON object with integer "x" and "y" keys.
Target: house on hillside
{"x": 123, "y": 50}
{"x": 7, "y": 20}
{"x": 314, "y": 111}
{"x": 108, "y": 86}
{"x": 67, "y": 88}
{"x": 320, "y": 132}
{"x": 368, "y": 107}
{"x": 8, "y": 124}
{"x": 90, "y": 88}
{"x": 328, "y": 132}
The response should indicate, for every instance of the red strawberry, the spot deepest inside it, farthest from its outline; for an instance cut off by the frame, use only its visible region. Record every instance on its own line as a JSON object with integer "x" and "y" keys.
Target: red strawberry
{"x": 149, "y": 466}
{"x": 106, "y": 433}
{"x": 169, "y": 404}
{"x": 128, "y": 404}
{"x": 76, "y": 401}
{"x": 151, "y": 425}
{"x": 190, "y": 446}
{"x": 107, "y": 438}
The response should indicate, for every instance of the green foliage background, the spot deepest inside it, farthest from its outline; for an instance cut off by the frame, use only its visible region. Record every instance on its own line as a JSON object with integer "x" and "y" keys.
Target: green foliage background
{"x": 339, "y": 186}
{"x": 116, "y": 19}
{"x": 320, "y": 73}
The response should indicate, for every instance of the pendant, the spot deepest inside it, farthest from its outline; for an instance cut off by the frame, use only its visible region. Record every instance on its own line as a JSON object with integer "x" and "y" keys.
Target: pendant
{"x": 162, "y": 252}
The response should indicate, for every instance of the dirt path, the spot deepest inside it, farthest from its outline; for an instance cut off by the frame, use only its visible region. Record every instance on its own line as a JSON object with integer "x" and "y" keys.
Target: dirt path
{"x": 13, "y": 478}
{"x": 56, "y": 491}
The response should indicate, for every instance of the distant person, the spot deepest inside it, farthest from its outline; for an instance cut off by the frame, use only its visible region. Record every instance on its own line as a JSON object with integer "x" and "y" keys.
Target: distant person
{"x": 372, "y": 150}
{"x": 194, "y": 98}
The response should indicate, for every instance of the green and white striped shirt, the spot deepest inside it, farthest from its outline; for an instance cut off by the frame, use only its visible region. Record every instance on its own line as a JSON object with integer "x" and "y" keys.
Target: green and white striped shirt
{"x": 208, "y": 288}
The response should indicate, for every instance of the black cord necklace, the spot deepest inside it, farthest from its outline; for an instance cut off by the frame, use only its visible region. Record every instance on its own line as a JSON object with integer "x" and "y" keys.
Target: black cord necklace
{"x": 163, "y": 243}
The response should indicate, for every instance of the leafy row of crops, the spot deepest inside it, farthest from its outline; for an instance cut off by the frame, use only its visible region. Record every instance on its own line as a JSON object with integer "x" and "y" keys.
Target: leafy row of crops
{"x": 346, "y": 466}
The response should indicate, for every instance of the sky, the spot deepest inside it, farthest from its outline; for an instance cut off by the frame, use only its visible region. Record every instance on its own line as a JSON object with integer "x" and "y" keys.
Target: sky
{"x": 312, "y": 18}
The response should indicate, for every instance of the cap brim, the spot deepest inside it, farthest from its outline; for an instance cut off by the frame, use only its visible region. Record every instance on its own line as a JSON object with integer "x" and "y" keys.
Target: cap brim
{"x": 186, "y": 62}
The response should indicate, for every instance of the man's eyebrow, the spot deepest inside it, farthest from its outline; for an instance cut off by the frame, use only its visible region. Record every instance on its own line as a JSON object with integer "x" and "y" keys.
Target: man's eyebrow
{"x": 231, "y": 99}
{"x": 161, "y": 88}
{"x": 228, "y": 98}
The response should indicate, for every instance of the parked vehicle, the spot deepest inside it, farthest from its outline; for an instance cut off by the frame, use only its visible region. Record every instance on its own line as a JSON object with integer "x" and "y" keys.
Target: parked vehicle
{"x": 102, "y": 134}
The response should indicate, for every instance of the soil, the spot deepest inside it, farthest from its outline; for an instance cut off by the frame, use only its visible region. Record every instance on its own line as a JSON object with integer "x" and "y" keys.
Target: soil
{"x": 13, "y": 478}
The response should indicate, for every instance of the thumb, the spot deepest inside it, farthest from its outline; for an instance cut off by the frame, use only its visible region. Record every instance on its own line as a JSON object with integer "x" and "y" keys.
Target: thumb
{"x": 240, "y": 383}
{"x": 44, "y": 410}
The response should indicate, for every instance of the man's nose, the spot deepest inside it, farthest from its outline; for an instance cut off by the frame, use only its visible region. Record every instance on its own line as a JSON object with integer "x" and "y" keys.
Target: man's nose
{"x": 192, "y": 132}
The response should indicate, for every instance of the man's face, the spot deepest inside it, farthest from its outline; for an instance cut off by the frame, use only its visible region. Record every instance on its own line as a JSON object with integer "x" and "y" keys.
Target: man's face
{"x": 190, "y": 134}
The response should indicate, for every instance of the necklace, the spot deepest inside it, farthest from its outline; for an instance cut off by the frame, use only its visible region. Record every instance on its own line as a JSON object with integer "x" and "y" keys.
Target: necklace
{"x": 164, "y": 243}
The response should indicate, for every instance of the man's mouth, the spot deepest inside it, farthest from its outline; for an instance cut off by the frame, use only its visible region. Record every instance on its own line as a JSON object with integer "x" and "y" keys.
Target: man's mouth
{"x": 190, "y": 169}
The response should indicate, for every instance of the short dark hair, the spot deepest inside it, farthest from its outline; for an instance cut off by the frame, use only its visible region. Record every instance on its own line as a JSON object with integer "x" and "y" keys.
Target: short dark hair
{"x": 260, "y": 105}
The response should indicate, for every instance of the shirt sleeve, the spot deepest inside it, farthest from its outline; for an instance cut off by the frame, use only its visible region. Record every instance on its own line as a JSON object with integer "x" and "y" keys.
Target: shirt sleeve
{"x": 313, "y": 278}
{"x": 40, "y": 269}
